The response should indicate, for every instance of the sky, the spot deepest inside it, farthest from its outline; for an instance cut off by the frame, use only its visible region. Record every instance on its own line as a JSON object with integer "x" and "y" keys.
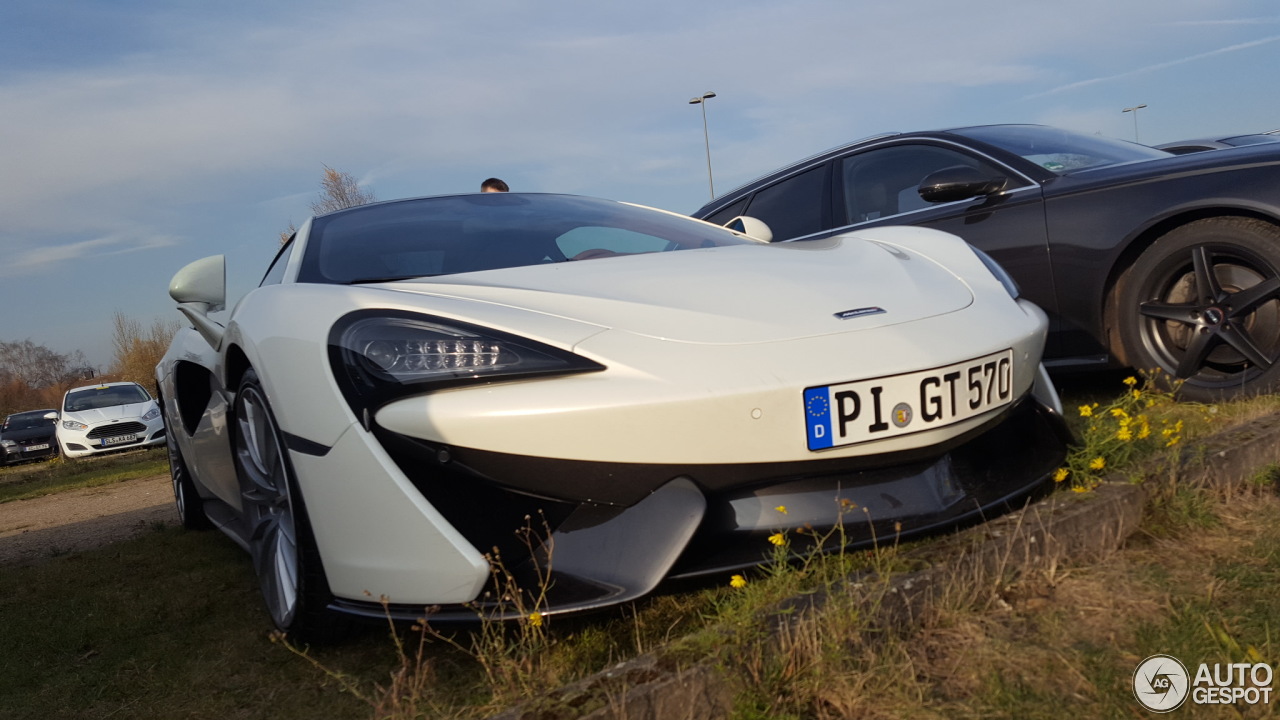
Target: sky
{"x": 139, "y": 135}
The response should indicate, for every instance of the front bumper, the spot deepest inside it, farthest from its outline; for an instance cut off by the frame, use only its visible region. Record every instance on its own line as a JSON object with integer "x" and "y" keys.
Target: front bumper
{"x": 36, "y": 450}
{"x": 107, "y": 437}
{"x": 685, "y": 521}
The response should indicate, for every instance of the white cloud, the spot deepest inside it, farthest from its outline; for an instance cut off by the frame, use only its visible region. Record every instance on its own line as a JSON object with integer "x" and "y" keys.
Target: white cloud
{"x": 83, "y": 252}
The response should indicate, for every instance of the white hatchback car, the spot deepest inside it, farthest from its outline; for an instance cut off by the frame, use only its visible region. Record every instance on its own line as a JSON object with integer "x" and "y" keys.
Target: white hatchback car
{"x": 111, "y": 416}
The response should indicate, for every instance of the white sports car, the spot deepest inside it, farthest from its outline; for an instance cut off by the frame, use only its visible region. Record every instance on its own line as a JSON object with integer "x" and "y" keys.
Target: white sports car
{"x": 106, "y": 417}
{"x": 416, "y": 381}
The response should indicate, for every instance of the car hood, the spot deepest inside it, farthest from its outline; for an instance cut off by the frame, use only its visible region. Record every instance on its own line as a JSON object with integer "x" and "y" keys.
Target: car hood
{"x": 736, "y": 294}
{"x": 107, "y": 414}
{"x": 28, "y": 433}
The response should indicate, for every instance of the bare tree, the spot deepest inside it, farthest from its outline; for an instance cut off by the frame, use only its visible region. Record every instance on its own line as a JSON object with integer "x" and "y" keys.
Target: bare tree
{"x": 33, "y": 376}
{"x": 338, "y": 190}
{"x": 137, "y": 351}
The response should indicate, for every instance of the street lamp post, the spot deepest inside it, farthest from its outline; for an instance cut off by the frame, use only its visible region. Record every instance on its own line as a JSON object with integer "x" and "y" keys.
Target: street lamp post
{"x": 1134, "y": 110}
{"x": 706, "y": 137}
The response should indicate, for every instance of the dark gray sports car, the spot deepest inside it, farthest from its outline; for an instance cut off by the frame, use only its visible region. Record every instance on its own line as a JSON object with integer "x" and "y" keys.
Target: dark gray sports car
{"x": 1141, "y": 258}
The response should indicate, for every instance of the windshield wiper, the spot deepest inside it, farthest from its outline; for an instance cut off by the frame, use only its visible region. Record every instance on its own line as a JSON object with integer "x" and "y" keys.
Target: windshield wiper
{"x": 388, "y": 278}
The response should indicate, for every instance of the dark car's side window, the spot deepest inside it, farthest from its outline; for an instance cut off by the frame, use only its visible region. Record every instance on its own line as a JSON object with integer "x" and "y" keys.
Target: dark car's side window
{"x": 793, "y": 207}
{"x": 724, "y": 215}
{"x": 884, "y": 182}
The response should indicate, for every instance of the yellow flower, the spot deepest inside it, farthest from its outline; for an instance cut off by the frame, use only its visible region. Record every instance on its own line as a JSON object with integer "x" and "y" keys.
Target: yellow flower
{"x": 1144, "y": 432}
{"x": 1119, "y": 412}
{"x": 782, "y": 509}
{"x": 1086, "y": 411}
{"x": 1131, "y": 381}
{"x": 535, "y": 619}
{"x": 1060, "y": 474}
{"x": 737, "y": 581}
{"x": 1124, "y": 434}
{"x": 1137, "y": 394}
{"x": 1097, "y": 463}
{"x": 1172, "y": 441}
{"x": 1079, "y": 489}
{"x": 778, "y": 539}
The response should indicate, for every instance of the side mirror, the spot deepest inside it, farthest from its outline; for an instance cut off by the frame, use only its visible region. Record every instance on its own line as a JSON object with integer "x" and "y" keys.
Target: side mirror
{"x": 751, "y": 227}
{"x": 959, "y": 183}
{"x": 203, "y": 281}
{"x": 201, "y": 288}
{"x": 51, "y": 416}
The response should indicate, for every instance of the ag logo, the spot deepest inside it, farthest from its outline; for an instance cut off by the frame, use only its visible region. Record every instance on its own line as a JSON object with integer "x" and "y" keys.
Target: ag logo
{"x": 1160, "y": 683}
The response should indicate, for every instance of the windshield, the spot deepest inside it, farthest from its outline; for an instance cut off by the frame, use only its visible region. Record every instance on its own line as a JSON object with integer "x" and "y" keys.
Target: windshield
{"x": 28, "y": 420}
{"x": 1241, "y": 140}
{"x": 1061, "y": 151}
{"x": 488, "y": 231}
{"x": 104, "y": 396}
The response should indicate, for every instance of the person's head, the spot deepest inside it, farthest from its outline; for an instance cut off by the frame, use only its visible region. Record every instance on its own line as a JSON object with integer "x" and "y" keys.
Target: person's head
{"x": 494, "y": 185}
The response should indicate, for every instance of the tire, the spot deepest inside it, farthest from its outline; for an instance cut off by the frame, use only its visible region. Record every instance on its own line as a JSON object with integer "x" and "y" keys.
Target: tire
{"x": 284, "y": 551}
{"x": 185, "y": 496}
{"x": 1202, "y": 304}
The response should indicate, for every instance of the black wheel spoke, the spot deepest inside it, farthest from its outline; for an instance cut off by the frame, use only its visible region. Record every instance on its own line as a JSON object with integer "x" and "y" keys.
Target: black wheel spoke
{"x": 1251, "y": 298}
{"x": 1166, "y": 311}
{"x": 1240, "y": 340}
{"x": 1207, "y": 289}
{"x": 1197, "y": 352}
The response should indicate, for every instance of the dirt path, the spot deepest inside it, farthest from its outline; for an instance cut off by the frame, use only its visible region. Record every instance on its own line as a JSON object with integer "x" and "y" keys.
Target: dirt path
{"x": 43, "y": 527}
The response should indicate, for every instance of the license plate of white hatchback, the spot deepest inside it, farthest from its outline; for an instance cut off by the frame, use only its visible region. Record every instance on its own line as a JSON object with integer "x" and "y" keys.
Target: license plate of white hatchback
{"x": 118, "y": 440}
{"x": 864, "y": 410}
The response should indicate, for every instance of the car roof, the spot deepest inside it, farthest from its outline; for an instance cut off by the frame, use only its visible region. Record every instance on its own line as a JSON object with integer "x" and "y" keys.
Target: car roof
{"x": 725, "y": 198}
{"x": 31, "y": 412}
{"x": 101, "y": 385}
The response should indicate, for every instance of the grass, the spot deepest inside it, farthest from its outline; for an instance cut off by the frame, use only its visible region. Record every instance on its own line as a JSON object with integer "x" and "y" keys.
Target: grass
{"x": 30, "y": 480}
{"x": 165, "y": 625}
{"x": 185, "y": 634}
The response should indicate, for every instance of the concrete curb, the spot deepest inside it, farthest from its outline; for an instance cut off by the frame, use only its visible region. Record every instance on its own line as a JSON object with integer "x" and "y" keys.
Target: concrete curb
{"x": 1061, "y": 529}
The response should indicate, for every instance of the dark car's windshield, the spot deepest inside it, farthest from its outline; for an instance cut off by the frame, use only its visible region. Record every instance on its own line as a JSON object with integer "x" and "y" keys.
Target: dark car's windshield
{"x": 488, "y": 231}
{"x": 28, "y": 421}
{"x": 1242, "y": 140}
{"x": 1060, "y": 151}
{"x": 104, "y": 396}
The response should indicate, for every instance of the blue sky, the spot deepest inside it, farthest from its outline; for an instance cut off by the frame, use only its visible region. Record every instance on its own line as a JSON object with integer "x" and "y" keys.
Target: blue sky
{"x": 137, "y": 136}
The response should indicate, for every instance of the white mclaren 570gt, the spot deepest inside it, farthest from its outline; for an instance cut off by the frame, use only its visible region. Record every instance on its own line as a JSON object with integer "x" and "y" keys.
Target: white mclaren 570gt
{"x": 416, "y": 381}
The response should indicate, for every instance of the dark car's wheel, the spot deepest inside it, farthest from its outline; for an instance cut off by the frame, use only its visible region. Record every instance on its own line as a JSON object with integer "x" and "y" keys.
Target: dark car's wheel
{"x": 185, "y": 496}
{"x": 1202, "y": 304}
{"x": 284, "y": 552}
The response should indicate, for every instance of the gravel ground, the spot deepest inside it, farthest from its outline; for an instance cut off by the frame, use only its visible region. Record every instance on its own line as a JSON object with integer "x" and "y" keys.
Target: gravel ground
{"x": 44, "y": 527}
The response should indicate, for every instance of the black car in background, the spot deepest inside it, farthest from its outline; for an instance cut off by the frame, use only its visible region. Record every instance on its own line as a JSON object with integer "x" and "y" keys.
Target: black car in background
{"x": 28, "y": 436}
{"x": 1141, "y": 258}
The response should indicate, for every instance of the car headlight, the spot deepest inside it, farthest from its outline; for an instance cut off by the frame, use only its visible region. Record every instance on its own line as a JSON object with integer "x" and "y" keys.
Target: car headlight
{"x": 8, "y": 443}
{"x": 73, "y": 425}
{"x": 152, "y": 414}
{"x": 380, "y": 355}
{"x": 1001, "y": 274}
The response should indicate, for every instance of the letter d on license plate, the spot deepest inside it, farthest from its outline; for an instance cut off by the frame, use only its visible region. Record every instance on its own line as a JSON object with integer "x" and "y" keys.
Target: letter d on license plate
{"x": 864, "y": 410}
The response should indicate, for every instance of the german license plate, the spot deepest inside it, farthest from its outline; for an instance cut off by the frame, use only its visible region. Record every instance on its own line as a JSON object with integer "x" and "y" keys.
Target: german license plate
{"x": 33, "y": 448}
{"x": 118, "y": 439}
{"x": 863, "y": 410}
